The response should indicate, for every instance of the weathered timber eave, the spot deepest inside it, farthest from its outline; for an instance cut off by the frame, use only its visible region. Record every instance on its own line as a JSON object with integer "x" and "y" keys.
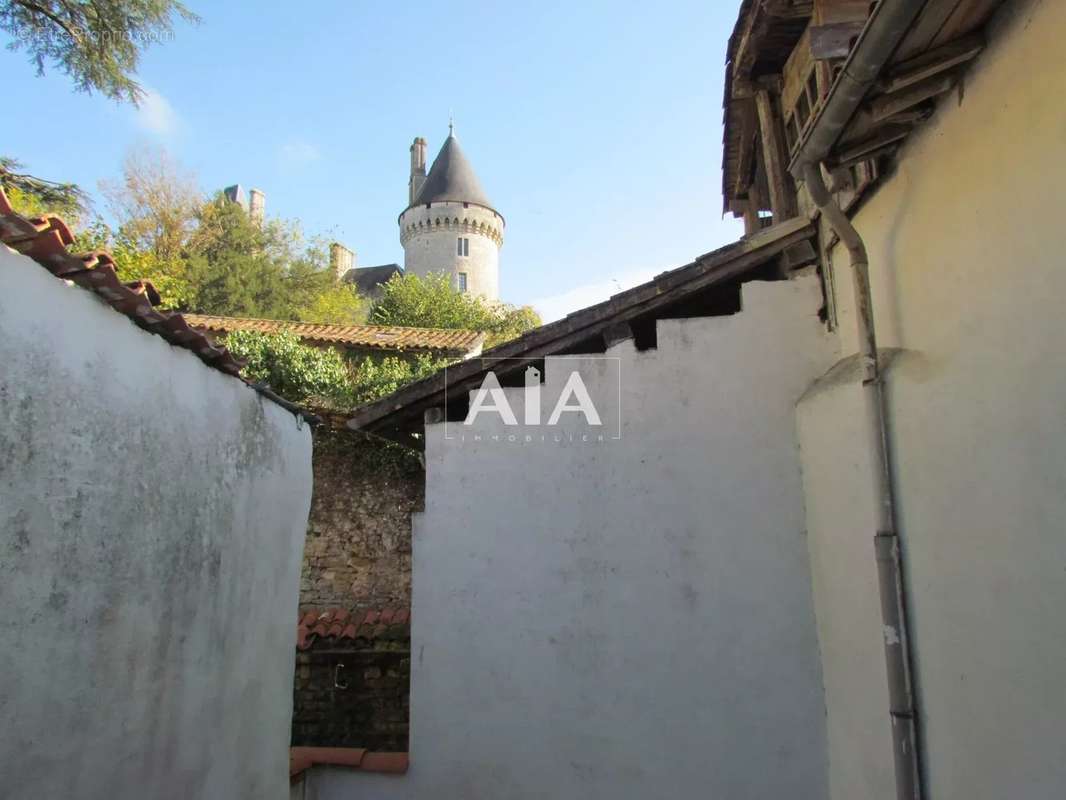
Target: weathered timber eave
{"x": 401, "y": 413}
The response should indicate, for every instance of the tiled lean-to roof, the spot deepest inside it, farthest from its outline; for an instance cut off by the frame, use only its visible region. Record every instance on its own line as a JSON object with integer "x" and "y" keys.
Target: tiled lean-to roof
{"x": 46, "y": 239}
{"x": 339, "y": 625}
{"x": 704, "y": 286}
{"x": 371, "y": 337}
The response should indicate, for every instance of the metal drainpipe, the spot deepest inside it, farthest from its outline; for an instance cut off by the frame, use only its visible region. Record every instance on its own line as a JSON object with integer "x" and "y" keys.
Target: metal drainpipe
{"x": 886, "y": 540}
{"x": 885, "y": 28}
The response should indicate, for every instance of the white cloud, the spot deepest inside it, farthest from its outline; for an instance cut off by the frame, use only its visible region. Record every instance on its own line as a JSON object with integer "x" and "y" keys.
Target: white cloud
{"x": 156, "y": 115}
{"x": 294, "y": 154}
{"x": 558, "y": 306}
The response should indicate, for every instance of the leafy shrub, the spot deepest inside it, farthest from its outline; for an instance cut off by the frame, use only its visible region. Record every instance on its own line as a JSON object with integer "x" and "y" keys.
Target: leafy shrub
{"x": 378, "y": 377}
{"x": 323, "y": 378}
{"x": 308, "y": 375}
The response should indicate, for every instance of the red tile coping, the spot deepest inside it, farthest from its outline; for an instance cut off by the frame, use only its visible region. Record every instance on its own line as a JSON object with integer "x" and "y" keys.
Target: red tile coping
{"x": 342, "y": 624}
{"x": 303, "y": 758}
{"x": 46, "y": 239}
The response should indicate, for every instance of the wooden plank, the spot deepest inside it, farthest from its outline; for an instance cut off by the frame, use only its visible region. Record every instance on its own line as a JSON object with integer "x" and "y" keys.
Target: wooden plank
{"x": 889, "y": 104}
{"x": 721, "y": 265}
{"x": 930, "y": 20}
{"x": 790, "y": 9}
{"x": 751, "y": 217}
{"x": 795, "y": 72}
{"x": 746, "y": 142}
{"x": 932, "y": 62}
{"x": 828, "y": 12}
{"x": 861, "y": 151}
{"x": 834, "y": 40}
{"x": 775, "y": 158}
{"x": 968, "y": 16}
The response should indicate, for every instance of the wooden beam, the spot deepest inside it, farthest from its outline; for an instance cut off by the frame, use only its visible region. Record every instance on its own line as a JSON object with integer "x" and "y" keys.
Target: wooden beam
{"x": 861, "y": 151}
{"x": 834, "y": 40}
{"x": 790, "y": 9}
{"x": 746, "y": 138}
{"x": 752, "y": 206}
{"x": 751, "y": 217}
{"x": 775, "y": 157}
{"x": 887, "y": 105}
{"x": 933, "y": 62}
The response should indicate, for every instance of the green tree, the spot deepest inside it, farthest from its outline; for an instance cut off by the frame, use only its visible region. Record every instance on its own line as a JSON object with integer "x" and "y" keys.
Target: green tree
{"x": 339, "y": 304}
{"x": 132, "y": 262}
{"x": 432, "y": 302}
{"x": 234, "y": 266}
{"x": 97, "y": 43}
{"x": 237, "y": 267}
{"x": 33, "y": 197}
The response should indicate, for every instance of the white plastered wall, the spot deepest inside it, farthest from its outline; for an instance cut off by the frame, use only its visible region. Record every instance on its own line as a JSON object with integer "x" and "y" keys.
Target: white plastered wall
{"x": 626, "y": 619}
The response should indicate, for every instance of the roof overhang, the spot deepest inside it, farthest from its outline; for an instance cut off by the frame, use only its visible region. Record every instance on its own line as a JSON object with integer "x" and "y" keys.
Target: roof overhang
{"x": 936, "y": 42}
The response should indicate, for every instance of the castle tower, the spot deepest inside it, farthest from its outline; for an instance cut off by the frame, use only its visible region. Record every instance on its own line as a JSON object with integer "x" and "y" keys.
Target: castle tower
{"x": 449, "y": 225}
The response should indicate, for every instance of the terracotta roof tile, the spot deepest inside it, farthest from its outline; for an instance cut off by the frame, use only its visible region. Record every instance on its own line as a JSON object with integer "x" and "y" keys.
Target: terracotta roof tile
{"x": 373, "y": 337}
{"x": 302, "y": 758}
{"x": 340, "y": 624}
{"x": 46, "y": 239}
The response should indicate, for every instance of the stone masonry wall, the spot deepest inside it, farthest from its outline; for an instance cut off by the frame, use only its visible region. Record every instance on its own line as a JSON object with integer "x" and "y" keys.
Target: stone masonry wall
{"x": 353, "y": 694}
{"x": 358, "y": 549}
{"x": 354, "y": 691}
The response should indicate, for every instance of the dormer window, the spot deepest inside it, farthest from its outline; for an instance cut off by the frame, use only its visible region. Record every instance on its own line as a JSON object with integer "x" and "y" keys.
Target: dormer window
{"x": 462, "y": 246}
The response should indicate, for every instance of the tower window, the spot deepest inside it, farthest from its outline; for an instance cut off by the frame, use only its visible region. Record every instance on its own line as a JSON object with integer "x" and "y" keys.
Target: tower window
{"x": 461, "y": 280}
{"x": 462, "y": 246}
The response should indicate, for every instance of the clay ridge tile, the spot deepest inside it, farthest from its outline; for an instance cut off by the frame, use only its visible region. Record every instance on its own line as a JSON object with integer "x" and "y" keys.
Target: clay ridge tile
{"x": 46, "y": 239}
{"x": 341, "y": 624}
{"x": 302, "y": 758}
{"x": 380, "y": 337}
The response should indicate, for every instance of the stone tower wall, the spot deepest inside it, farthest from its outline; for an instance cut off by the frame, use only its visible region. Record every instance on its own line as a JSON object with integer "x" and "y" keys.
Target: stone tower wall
{"x": 429, "y": 235}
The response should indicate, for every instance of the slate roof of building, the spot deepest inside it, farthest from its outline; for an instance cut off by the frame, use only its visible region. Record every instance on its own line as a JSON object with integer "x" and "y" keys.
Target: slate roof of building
{"x": 341, "y": 625}
{"x": 46, "y": 239}
{"x": 372, "y": 337}
{"x": 452, "y": 178}
{"x": 303, "y": 758}
{"x": 368, "y": 279}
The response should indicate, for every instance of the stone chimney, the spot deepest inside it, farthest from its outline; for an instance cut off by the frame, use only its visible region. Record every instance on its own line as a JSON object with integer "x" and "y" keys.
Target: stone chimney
{"x": 418, "y": 168}
{"x": 341, "y": 259}
{"x": 235, "y": 194}
{"x": 256, "y": 206}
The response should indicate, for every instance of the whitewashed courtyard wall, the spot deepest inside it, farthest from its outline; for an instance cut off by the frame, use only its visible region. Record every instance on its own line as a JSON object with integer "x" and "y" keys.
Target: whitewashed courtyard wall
{"x": 152, "y": 516}
{"x": 625, "y": 619}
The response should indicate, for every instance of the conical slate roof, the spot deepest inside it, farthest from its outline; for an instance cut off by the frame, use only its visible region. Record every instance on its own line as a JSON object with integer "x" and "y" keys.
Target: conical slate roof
{"x": 452, "y": 178}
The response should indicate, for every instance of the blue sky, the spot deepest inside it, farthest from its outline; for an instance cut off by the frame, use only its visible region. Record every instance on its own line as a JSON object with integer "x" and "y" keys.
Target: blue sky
{"x": 595, "y": 127}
